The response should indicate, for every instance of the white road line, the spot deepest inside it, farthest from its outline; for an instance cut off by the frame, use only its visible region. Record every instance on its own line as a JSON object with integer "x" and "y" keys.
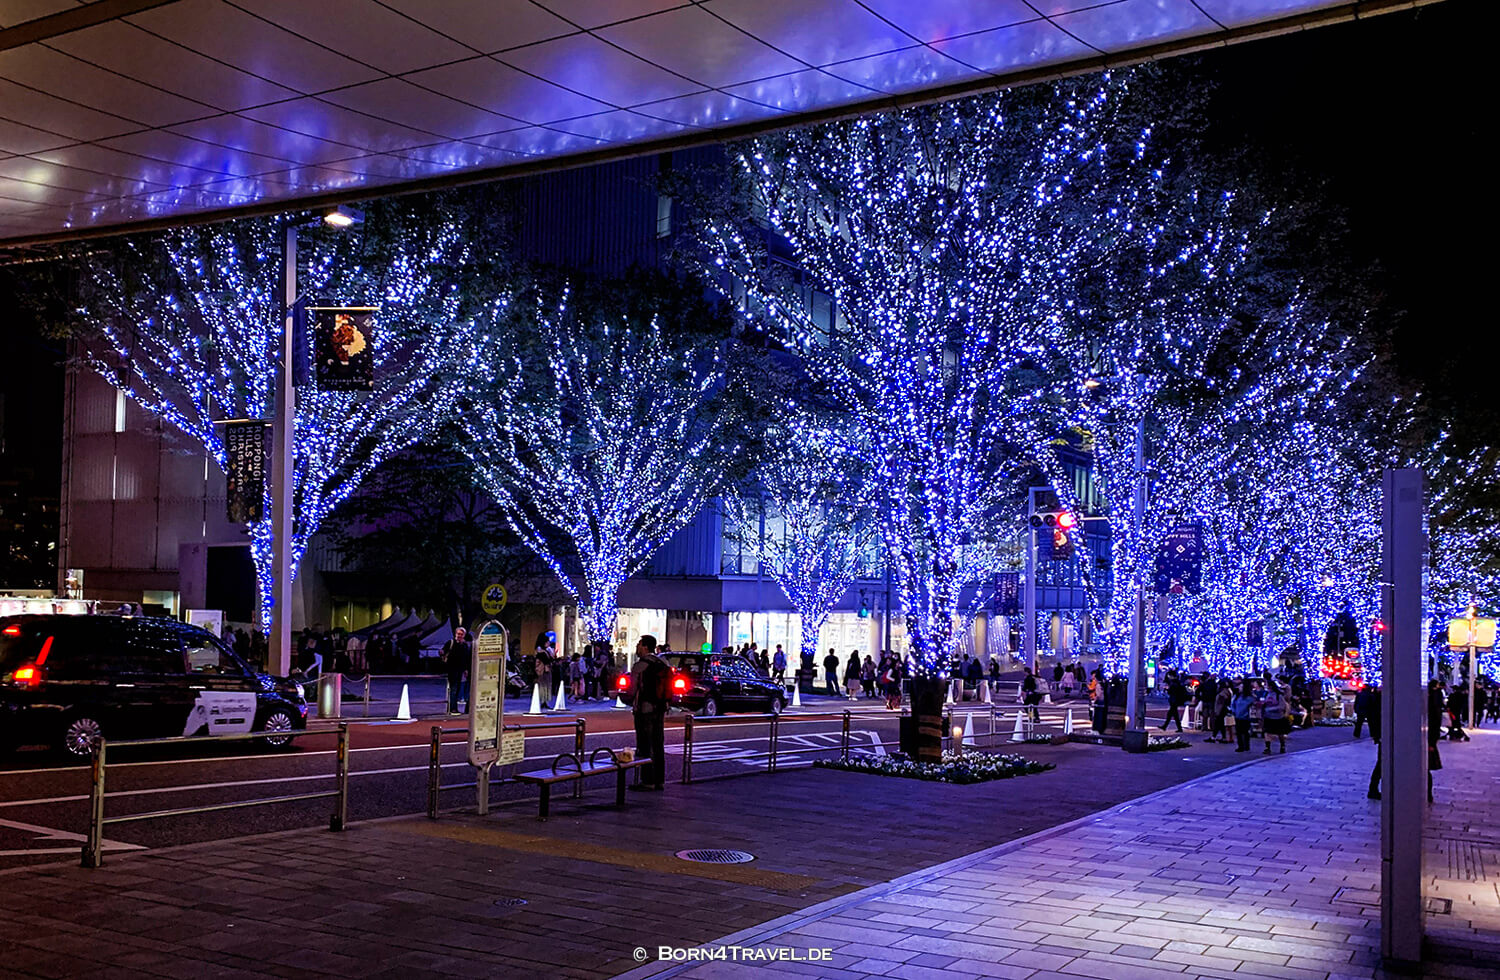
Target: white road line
{"x": 52, "y": 834}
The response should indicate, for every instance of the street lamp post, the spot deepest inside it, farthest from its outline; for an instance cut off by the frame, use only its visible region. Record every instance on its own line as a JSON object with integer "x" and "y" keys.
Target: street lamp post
{"x": 1135, "y": 707}
{"x": 283, "y": 436}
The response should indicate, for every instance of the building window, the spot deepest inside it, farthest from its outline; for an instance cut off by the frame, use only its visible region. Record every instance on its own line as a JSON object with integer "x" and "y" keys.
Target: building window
{"x": 663, "y": 216}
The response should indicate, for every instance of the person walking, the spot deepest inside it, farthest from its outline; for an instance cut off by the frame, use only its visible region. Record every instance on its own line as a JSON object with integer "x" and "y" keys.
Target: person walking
{"x": 1030, "y": 696}
{"x": 1458, "y": 710}
{"x": 458, "y": 656}
{"x": 1177, "y": 696}
{"x": 1241, "y": 707}
{"x": 851, "y": 676}
{"x": 831, "y": 672}
{"x": 1436, "y": 708}
{"x": 778, "y": 666}
{"x": 1372, "y": 715}
{"x": 890, "y": 681}
{"x": 652, "y": 693}
{"x": 1220, "y": 730}
{"x": 1362, "y": 710}
{"x": 1275, "y": 716}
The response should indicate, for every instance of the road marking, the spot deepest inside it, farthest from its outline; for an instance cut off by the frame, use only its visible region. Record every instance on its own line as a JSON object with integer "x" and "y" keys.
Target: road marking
{"x": 52, "y": 834}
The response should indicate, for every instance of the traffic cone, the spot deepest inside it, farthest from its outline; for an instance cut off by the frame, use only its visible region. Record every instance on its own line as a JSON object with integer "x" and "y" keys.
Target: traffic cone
{"x": 796, "y": 695}
{"x": 620, "y": 703}
{"x": 984, "y": 692}
{"x": 1189, "y": 715}
{"x": 968, "y": 739}
{"x": 1019, "y": 732}
{"x": 561, "y": 704}
{"x": 948, "y": 699}
{"x": 1068, "y": 723}
{"x": 1047, "y": 698}
{"x": 403, "y": 712}
{"x": 536, "y": 700}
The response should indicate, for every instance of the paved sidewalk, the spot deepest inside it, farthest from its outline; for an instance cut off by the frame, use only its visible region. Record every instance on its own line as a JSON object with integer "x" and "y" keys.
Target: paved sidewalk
{"x": 1271, "y": 870}
{"x": 413, "y": 899}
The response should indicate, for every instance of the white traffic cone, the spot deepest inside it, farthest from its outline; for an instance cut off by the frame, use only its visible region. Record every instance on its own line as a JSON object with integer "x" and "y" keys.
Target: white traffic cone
{"x": 403, "y": 711}
{"x": 984, "y": 691}
{"x": 1189, "y": 724}
{"x": 796, "y": 695}
{"x": 968, "y": 739}
{"x": 1047, "y": 698}
{"x": 1019, "y": 732}
{"x": 1068, "y": 723}
{"x": 561, "y": 704}
{"x": 536, "y": 700}
{"x": 948, "y": 699}
{"x": 620, "y": 703}
{"x": 1341, "y": 706}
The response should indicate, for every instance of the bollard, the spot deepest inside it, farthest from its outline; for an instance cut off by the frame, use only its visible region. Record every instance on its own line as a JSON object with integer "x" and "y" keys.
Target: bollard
{"x": 482, "y": 784}
{"x": 579, "y": 727}
{"x": 93, "y": 849}
{"x": 367, "y": 693}
{"x": 844, "y": 738}
{"x": 341, "y": 779}
{"x": 687, "y": 750}
{"x": 775, "y": 734}
{"x": 434, "y": 772}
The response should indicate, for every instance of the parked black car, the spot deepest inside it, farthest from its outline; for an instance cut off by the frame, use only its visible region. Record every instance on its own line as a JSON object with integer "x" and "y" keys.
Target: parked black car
{"x": 711, "y": 683}
{"x": 67, "y": 680}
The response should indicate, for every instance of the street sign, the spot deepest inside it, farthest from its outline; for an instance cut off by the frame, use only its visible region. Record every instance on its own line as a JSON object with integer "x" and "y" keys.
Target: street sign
{"x": 486, "y": 682}
{"x": 1008, "y": 594}
{"x": 1460, "y": 636}
{"x": 344, "y": 347}
{"x": 1255, "y": 633}
{"x": 494, "y": 599}
{"x": 512, "y": 748}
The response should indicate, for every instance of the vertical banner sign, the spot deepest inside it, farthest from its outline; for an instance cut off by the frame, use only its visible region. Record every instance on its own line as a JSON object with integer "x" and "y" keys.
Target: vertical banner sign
{"x": 1179, "y": 561}
{"x": 486, "y": 683}
{"x": 247, "y": 446}
{"x": 1008, "y": 594}
{"x": 1255, "y": 633}
{"x": 343, "y": 347}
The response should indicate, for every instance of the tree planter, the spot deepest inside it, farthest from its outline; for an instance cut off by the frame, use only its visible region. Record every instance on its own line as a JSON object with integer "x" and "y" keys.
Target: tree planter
{"x": 922, "y": 733}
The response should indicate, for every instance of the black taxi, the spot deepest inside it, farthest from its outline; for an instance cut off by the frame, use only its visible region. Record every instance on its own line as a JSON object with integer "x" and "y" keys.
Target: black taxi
{"x": 68, "y": 680}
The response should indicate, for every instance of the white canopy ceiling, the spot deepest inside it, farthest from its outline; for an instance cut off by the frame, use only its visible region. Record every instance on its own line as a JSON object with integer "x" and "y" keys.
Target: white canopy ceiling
{"x": 123, "y": 112}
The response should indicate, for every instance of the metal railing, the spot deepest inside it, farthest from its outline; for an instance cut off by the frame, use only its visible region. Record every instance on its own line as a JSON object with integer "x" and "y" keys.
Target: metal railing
{"x": 93, "y": 848}
{"x": 435, "y": 785}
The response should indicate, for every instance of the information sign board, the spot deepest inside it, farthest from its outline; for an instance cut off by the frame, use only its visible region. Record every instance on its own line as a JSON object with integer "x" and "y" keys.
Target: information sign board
{"x": 486, "y": 685}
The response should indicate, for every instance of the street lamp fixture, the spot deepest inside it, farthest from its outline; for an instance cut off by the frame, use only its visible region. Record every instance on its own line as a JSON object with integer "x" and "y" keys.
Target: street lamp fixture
{"x": 343, "y": 216}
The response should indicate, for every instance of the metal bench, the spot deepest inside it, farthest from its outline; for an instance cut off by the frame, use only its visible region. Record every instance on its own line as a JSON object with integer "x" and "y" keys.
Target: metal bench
{"x": 568, "y": 768}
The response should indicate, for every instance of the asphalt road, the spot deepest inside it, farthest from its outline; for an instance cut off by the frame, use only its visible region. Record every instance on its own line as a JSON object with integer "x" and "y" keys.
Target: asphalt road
{"x": 44, "y": 800}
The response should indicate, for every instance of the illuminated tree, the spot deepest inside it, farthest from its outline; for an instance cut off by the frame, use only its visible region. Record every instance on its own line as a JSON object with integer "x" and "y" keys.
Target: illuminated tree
{"x": 804, "y": 517}
{"x": 601, "y": 438}
{"x": 189, "y": 326}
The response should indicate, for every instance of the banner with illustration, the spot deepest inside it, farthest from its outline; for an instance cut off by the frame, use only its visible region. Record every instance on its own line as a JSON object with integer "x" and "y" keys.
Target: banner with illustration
{"x": 343, "y": 347}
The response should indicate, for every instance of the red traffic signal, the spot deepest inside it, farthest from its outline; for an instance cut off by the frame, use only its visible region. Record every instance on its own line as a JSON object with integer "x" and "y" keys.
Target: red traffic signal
{"x": 1067, "y": 520}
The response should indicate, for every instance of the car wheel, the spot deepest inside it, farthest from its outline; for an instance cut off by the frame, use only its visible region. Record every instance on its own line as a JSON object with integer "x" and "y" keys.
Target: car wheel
{"x": 278, "y": 720}
{"x": 710, "y": 707}
{"x": 79, "y": 734}
{"x": 778, "y": 705}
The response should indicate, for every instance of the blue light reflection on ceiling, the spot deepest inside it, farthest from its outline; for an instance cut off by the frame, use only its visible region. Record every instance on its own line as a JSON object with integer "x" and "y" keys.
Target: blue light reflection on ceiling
{"x": 198, "y": 106}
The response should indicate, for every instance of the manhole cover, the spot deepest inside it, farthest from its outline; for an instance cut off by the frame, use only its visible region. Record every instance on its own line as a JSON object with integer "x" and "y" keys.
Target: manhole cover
{"x": 510, "y": 903}
{"x": 716, "y": 856}
{"x": 1439, "y": 906}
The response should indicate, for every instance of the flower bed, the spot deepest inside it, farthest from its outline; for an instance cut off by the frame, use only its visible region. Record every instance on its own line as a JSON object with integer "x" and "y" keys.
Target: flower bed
{"x": 956, "y": 767}
{"x": 1334, "y": 723}
{"x": 1162, "y": 743}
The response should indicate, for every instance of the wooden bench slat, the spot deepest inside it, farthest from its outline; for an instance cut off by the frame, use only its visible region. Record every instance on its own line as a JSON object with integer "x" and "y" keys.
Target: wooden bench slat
{"x": 589, "y": 769}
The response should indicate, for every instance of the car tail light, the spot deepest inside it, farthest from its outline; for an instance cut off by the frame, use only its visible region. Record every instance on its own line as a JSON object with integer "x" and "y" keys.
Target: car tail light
{"x": 26, "y": 676}
{"x": 623, "y": 682}
{"x": 12, "y": 631}
{"x": 679, "y": 684}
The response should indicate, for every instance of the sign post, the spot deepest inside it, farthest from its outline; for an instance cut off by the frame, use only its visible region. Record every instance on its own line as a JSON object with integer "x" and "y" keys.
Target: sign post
{"x": 486, "y": 705}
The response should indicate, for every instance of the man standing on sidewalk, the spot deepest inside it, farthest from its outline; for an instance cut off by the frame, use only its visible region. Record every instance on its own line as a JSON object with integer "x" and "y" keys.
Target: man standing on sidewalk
{"x": 831, "y": 672}
{"x": 652, "y": 678}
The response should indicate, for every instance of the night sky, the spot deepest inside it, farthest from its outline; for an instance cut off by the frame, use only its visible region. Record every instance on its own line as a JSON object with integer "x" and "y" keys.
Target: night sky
{"x": 1386, "y": 111}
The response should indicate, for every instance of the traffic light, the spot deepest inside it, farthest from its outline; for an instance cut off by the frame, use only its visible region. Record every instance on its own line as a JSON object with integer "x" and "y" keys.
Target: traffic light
{"x": 1062, "y": 525}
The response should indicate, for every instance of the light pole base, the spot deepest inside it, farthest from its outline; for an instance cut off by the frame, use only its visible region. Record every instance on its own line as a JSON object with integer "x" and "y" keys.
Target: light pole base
{"x": 1135, "y": 740}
